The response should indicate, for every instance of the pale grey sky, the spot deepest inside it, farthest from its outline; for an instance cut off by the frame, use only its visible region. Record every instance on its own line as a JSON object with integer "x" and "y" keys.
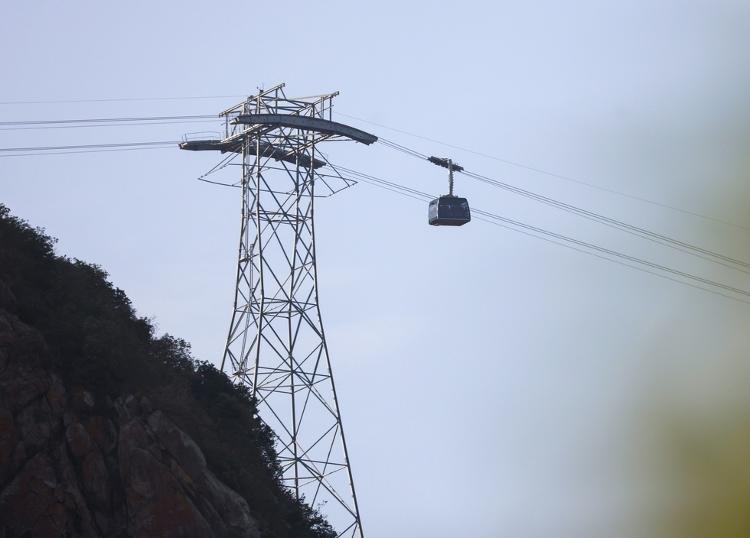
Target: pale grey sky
{"x": 491, "y": 384}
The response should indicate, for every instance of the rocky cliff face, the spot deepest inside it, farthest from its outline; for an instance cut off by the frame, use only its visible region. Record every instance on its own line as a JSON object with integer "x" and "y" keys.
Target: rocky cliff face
{"x": 75, "y": 465}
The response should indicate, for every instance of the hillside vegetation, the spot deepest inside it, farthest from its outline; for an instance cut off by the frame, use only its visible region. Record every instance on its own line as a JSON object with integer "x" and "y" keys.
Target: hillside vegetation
{"x": 96, "y": 342}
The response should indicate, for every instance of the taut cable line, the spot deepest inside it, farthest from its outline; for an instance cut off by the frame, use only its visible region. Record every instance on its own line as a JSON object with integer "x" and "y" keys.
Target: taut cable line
{"x": 567, "y": 241}
{"x": 662, "y": 239}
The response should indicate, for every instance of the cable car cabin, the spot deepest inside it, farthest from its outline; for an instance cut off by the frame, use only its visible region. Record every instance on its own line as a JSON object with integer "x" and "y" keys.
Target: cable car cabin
{"x": 449, "y": 210}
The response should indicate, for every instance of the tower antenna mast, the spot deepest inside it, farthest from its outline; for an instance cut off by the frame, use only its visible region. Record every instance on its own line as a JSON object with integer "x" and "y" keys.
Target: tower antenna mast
{"x": 276, "y": 344}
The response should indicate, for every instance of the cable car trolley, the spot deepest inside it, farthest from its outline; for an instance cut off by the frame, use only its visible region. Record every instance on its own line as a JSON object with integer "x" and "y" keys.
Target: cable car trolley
{"x": 448, "y": 210}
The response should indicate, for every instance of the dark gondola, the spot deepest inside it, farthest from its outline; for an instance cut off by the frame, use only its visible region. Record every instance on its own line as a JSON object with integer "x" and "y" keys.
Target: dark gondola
{"x": 448, "y": 210}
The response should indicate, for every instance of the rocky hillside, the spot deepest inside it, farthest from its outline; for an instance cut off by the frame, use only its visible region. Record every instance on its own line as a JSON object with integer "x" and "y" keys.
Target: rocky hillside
{"x": 108, "y": 430}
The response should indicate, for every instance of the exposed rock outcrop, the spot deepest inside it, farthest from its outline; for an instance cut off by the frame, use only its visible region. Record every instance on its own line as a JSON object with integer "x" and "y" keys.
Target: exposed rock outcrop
{"x": 75, "y": 465}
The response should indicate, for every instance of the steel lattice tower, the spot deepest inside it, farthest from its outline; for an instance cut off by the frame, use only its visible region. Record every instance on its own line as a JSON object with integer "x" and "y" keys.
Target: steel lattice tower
{"x": 276, "y": 342}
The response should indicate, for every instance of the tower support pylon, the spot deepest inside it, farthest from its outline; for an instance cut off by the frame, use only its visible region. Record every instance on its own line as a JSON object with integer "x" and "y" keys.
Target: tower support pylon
{"x": 276, "y": 343}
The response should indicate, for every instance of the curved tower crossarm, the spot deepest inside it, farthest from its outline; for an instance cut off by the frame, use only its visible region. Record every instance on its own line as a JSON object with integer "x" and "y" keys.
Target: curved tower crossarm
{"x": 276, "y": 343}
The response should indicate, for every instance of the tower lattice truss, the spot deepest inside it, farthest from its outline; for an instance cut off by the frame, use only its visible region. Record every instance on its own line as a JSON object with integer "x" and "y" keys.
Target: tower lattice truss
{"x": 276, "y": 343}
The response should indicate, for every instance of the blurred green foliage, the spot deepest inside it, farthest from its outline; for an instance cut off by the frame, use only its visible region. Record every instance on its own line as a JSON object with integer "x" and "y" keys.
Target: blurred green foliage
{"x": 704, "y": 472}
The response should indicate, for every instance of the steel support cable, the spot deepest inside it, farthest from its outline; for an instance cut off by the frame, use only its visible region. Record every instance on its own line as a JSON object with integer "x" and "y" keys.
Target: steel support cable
{"x": 217, "y": 183}
{"x": 655, "y": 237}
{"x": 133, "y": 124}
{"x": 105, "y": 120}
{"x": 553, "y": 174}
{"x": 568, "y": 242}
{"x": 93, "y": 148}
{"x": 658, "y": 238}
{"x": 120, "y": 99}
{"x": 641, "y": 232}
{"x": 611, "y": 252}
{"x": 401, "y": 148}
{"x": 90, "y": 146}
{"x": 146, "y": 145}
{"x": 507, "y": 161}
{"x": 220, "y": 165}
{"x": 46, "y": 153}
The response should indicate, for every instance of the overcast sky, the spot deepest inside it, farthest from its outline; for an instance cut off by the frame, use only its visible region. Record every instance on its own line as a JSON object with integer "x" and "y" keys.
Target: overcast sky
{"x": 491, "y": 384}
